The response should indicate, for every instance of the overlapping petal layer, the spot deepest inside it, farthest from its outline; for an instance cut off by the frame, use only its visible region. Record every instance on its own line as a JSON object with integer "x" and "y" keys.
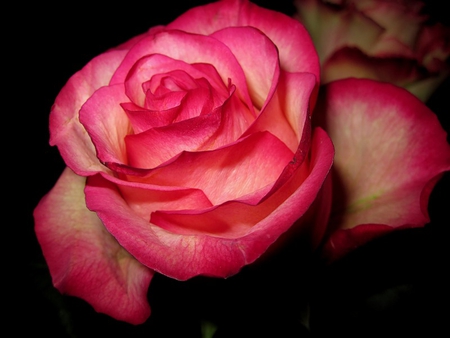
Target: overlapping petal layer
{"x": 215, "y": 241}
{"x": 84, "y": 259}
{"x": 296, "y": 55}
{"x": 66, "y": 132}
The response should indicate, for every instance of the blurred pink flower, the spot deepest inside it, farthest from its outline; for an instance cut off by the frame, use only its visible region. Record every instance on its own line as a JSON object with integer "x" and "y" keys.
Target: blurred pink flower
{"x": 387, "y": 40}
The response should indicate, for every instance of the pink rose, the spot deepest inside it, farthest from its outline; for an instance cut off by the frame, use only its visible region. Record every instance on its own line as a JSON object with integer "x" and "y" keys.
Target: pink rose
{"x": 196, "y": 147}
{"x": 385, "y": 40}
{"x": 189, "y": 151}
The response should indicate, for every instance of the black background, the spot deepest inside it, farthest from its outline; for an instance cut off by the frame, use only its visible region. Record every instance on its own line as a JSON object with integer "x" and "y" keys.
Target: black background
{"x": 393, "y": 285}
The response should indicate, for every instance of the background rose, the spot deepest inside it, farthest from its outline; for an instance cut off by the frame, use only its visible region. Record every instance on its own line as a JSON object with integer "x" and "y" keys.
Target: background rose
{"x": 391, "y": 41}
{"x": 196, "y": 141}
{"x": 390, "y": 152}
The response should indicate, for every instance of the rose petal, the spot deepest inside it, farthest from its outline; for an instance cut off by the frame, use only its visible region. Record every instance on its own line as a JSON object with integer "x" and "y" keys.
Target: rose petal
{"x": 66, "y": 132}
{"x": 107, "y": 123}
{"x": 259, "y": 60}
{"x": 182, "y": 256}
{"x": 390, "y": 150}
{"x": 289, "y": 106}
{"x": 84, "y": 259}
{"x": 296, "y": 55}
{"x": 145, "y": 198}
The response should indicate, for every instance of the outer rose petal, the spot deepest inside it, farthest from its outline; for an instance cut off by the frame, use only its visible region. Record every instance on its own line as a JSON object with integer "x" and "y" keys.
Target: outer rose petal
{"x": 390, "y": 151}
{"x": 297, "y": 55}
{"x": 84, "y": 259}
{"x": 183, "y": 256}
{"x": 66, "y": 131}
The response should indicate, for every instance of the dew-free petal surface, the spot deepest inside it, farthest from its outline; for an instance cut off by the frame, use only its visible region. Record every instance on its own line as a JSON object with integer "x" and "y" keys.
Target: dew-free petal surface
{"x": 390, "y": 151}
{"x": 84, "y": 259}
{"x": 66, "y": 131}
{"x": 298, "y": 55}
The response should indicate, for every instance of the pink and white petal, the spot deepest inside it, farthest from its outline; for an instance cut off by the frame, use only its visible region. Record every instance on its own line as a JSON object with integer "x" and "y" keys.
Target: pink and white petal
{"x": 107, "y": 123}
{"x": 145, "y": 199}
{"x": 290, "y": 106}
{"x": 227, "y": 173}
{"x": 184, "y": 256}
{"x": 296, "y": 55}
{"x": 84, "y": 259}
{"x": 190, "y": 48}
{"x": 236, "y": 118}
{"x": 390, "y": 151}
{"x": 158, "y": 145}
{"x": 259, "y": 60}
{"x": 66, "y": 131}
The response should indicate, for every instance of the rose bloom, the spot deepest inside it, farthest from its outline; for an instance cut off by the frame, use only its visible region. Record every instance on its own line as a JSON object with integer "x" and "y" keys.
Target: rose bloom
{"x": 386, "y": 40}
{"x": 189, "y": 151}
{"x": 192, "y": 148}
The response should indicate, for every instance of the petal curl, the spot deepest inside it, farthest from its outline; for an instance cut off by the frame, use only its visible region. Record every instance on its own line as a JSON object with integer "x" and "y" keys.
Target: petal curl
{"x": 183, "y": 256}
{"x": 66, "y": 131}
{"x": 296, "y": 55}
{"x": 107, "y": 123}
{"x": 84, "y": 259}
{"x": 259, "y": 60}
{"x": 390, "y": 151}
{"x": 289, "y": 105}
